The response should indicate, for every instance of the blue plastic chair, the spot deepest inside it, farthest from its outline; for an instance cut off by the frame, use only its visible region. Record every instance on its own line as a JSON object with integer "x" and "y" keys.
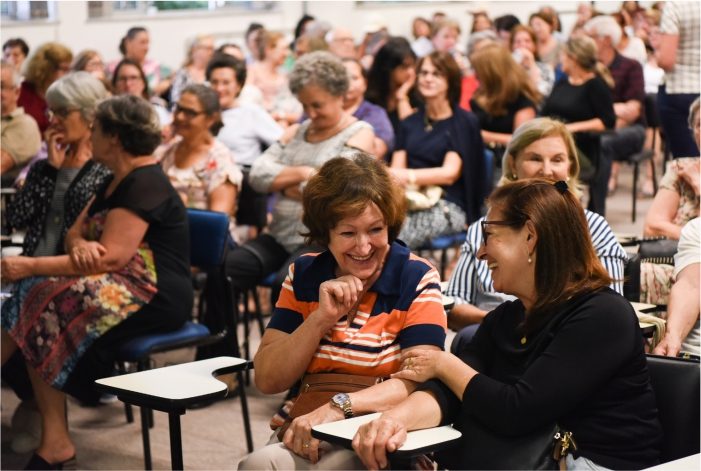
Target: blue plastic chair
{"x": 209, "y": 242}
{"x": 443, "y": 243}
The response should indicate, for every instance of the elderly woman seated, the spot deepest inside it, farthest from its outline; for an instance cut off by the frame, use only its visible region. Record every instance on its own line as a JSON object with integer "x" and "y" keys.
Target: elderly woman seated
{"x": 320, "y": 82}
{"x": 126, "y": 273}
{"x": 351, "y": 310}
{"x": 539, "y": 148}
{"x": 569, "y": 350}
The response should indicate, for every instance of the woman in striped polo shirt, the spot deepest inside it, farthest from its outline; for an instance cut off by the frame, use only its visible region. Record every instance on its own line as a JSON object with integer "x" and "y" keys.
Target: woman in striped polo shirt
{"x": 353, "y": 309}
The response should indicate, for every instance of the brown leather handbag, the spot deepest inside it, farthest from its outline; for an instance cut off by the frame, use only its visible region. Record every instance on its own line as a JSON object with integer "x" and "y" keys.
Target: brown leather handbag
{"x": 318, "y": 389}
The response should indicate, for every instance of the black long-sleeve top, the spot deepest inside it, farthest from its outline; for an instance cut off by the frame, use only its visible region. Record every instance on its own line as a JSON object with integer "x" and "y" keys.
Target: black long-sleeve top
{"x": 574, "y": 103}
{"x": 586, "y": 370}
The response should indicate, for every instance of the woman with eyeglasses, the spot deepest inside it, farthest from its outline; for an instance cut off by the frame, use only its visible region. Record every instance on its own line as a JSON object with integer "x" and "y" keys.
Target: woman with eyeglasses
{"x": 49, "y": 63}
{"x": 126, "y": 274}
{"x": 54, "y": 193}
{"x": 541, "y": 147}
{"x": 440, "y": 145}
{"x": 567, "y": 351}
{"x": 200, "y": 167}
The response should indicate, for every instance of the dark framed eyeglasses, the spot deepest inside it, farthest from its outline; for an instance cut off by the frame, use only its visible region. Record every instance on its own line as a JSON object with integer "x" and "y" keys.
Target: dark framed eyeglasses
{"x": 188, "y": 112}
{"x": 60, "y": 113}
{"x": 485, "y": 223}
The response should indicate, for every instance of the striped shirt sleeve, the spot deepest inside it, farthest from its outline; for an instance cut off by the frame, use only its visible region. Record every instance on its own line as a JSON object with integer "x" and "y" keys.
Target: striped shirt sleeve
{"x": 288, "y": 314}
{"x": 609, "y": 251}
{"x": 463, "y": 281}
{"x": 425, "y": 322}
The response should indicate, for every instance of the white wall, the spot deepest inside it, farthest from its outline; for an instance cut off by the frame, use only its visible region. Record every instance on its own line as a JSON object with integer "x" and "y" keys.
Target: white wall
{"x": 171, "y": 31}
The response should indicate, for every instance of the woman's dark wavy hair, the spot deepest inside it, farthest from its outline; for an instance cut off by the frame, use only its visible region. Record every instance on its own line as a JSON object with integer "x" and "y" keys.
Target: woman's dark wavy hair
{"x": 126, "y": 61}
{"x": 344, "y": 187}
{"x": 389, "y": 57}
{"x": 566, "y": 264}
{"x": 133, "y": 120}
{"x": 131, "y": 34}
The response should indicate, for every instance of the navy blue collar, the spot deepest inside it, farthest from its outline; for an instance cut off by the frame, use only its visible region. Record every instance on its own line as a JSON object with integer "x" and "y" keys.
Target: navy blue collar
{"x": 389, "y": 283}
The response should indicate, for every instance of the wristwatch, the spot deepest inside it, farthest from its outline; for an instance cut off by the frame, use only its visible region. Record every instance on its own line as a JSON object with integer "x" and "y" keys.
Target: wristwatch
{"x": 343, "y": 402}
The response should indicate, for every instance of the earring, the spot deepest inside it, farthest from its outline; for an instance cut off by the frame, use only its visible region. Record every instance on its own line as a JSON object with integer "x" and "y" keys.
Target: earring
{"x": 530, "y": 260}
{"x": 513, "y": 175}
{"x": 568, "y": 178}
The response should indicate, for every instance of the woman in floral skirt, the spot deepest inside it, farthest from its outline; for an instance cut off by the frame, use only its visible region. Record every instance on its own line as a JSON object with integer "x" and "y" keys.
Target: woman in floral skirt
{"x": 126, "y": 274}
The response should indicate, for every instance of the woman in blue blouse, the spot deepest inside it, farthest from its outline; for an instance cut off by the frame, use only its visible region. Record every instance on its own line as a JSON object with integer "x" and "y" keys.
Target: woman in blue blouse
{"x": 440, "y": 145}
{"x": 539, "y": 148}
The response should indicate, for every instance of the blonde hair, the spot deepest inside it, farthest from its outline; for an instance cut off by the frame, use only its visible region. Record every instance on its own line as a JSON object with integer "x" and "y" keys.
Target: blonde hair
{"x": 193, "y": 44}
{"x": 535, "y": 130}
{"x": 267, "y": 39}
{"x": 501, "y": 79}
{"x": 583, "y": 49}
{"x": 40, "y": 69}
{"x": 445, "y": 23}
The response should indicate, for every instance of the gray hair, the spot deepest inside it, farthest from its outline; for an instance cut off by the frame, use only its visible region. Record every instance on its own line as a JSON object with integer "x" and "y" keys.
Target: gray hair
{"x": 605, "y": 25}
{"x": 479, "y": 36}
{"x": 318, "y": 28}
{"x": 16, "y": 77}
{"x": 77, "y": 91}
{"x": 320, "y": 68}
{"x": 694, "y": 112}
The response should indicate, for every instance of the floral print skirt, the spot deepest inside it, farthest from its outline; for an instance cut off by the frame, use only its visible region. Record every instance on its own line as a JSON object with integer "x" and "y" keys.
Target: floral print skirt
{"x": 54, "y": 320}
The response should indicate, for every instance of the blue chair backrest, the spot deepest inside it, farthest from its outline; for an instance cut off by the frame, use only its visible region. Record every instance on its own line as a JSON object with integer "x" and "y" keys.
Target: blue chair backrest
{"x": 209, "y": 237}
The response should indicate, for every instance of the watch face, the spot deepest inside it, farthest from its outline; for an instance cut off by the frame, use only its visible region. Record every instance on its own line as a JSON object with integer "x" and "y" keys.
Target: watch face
{"x": 340, "y": 398}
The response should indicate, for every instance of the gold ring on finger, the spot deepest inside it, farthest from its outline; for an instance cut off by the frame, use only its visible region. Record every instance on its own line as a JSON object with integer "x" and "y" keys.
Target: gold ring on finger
{"x": 410, "y": 363}
{"x": 305, "y": 445}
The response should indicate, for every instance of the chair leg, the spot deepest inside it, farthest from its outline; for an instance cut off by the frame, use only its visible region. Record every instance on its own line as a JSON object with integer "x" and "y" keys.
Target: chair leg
{"x": 244, "y": 411}
{"x": 444, "y": 262}
{"x": 246, "y": 332}
{"x": 143, "y": 365}
{"x": 635, "y": 187}
{"x": 259, "y": 313}
{"x": 176, "y": 441}
{"x": 145, "y": 438}
{"x": 127, "y": 407}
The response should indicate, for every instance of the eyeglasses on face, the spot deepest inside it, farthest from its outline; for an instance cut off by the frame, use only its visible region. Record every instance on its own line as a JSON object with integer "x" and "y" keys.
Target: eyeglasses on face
{"x": 485, "y": 223}
{"x": 435, "y": 74}
{"x": 60, "y": 113}
{"x": 188, "y": 112}
{"x": 128, "y": 78}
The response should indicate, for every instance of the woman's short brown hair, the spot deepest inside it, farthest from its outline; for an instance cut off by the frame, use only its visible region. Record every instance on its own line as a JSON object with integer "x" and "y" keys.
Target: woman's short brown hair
{"x": 267, "y": 39}
{"x": 344, "y": 187}
{"x": 444, "y": 62}
{"x": 517, "y": 29}
{"x": 566, "y": 264}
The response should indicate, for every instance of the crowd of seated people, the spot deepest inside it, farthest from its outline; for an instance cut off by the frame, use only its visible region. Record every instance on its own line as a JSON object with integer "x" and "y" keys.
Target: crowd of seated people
{"x": 256, "y": 130}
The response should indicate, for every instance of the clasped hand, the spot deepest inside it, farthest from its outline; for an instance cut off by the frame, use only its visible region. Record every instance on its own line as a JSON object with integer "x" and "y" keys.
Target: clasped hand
{"x": 373, "y": 440}
{"x": 15, "y": 268}
{"x": 419, "y": 365}
{"x": 298, "y": 437}
{"x": 337, "y": 297}
{"x": 86, "y": 255}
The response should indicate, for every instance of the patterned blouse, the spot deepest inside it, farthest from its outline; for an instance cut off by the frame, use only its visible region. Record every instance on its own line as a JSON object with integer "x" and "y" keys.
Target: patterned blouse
{"x": 688, "y": 201}
{"x": 198, "y": 181}
{"x": 29, "y": 208}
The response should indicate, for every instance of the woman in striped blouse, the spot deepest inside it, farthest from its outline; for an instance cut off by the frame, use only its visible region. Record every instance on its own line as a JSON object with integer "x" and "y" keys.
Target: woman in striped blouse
{"x": 351, "y": 310}
{"x": 539, "y": 148}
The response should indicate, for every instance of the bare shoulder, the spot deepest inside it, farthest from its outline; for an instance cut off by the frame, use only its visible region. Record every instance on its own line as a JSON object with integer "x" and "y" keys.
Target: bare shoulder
{"x": 363, "y": 140}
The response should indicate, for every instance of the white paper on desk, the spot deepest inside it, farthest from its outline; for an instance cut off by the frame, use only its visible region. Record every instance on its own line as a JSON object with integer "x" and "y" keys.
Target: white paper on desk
{"x": 414, "y": 440}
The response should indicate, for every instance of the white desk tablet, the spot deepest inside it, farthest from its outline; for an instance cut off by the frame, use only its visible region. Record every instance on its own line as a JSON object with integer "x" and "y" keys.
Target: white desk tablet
{"x": 343, "y": 431}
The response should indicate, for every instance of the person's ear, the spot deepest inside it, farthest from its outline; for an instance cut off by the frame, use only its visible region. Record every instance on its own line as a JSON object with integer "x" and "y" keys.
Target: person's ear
{"x": 531, "y": 236}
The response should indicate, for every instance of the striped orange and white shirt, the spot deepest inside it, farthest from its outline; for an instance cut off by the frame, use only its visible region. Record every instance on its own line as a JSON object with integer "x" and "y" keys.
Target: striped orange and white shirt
{"x": 402, "y": 309}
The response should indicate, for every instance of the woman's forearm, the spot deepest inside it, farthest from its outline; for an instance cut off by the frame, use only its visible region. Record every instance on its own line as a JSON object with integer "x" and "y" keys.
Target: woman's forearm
{"x": 496, "y": 137}
{"x": 281, "y": 363}
{"x": 419, "y": 411}
{"x": 454, "y": 373}
{"x": 404, "y": 108}
{"x": 381, "y": 397}
{"x": 589, "y": 125}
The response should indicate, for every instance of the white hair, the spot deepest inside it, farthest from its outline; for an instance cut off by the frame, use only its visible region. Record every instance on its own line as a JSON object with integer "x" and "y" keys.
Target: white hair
{"x": 605, "y": 26}
{"x": 77, "y": 91}
{"x": 16, "y": 77}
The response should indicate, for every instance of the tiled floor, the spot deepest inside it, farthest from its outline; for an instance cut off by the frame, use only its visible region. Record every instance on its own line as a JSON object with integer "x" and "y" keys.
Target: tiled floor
{"x": 212, "y": 438}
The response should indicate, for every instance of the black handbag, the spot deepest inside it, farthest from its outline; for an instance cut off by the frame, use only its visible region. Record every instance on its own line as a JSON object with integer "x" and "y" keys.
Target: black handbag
{"x": 657, "y": 247}
{"x": 481, "y": 448}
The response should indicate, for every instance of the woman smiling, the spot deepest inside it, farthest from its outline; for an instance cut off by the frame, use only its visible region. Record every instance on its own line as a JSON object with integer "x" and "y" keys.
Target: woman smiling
{"x": 350, "y": 311}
